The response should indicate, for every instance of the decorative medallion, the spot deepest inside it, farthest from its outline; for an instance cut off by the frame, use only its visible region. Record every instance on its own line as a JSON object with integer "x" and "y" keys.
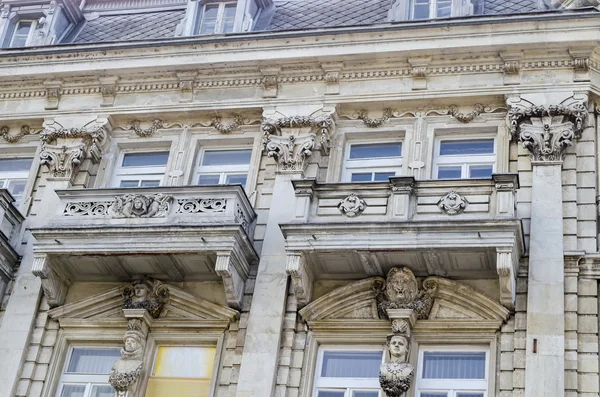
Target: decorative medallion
{"x": 352, "y": 206}
{"x": 141, "y": 206}
{"x": 453, "y": 203}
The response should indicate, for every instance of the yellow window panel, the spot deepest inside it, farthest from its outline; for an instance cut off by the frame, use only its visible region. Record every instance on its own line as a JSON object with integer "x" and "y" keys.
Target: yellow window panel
{"x": 179, "y": 387}
{"x": 184, "y": 362}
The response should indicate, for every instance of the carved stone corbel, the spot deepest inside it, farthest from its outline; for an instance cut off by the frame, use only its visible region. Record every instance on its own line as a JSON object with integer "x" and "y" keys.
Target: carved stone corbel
{"x": 108, "y": 89}
{"x": 52, "y": 94}
{"x": 302, "y": 277}
{"x": 186, "y": 85}
{"x": 64, "y": 149}
{"x": 547, "y": 131}
{"x": 581, "y": 63}
{"x": 512, "y": 66}
{"x": 234, "y": 278}
{"x": 507, "y": 277}
{"x": 332, "y": 72}
{"x": 270, "y": 81}
{"x": 419, "y": 72}
{"x": 54, "y": 285}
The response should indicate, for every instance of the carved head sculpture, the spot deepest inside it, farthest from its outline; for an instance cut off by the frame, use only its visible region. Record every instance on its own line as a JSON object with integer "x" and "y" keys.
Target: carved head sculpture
{"x": 398, "y": 346}
{"x": 134, "y": 341}
{"x": 401, "y": 286}
{"x": 139, "y": 204}
{"x": 141, "y": 290}
{"x": 146, "y": 293}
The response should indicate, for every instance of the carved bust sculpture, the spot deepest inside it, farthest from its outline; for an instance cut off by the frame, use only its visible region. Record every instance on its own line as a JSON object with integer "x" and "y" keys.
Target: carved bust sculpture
{"x": 126, "y": 371}
{"x": 401, "y": 285}
{"x": 401, "y": 291}
{"x": 395, "y": 376}
{"x": 146, "y": 294}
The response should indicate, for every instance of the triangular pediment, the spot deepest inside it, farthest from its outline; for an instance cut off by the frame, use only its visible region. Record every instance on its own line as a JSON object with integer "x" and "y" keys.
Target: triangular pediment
{"x": 454, "y": 301}
{"x": 181, "y": 308}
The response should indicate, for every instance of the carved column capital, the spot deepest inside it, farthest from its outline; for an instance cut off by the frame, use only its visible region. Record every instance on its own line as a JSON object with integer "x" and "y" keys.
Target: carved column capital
{"x": 547, "y": 131}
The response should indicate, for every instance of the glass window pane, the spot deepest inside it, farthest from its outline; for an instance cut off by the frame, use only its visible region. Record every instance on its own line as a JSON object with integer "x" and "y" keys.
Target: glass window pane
{"x": 226, "y": 157}
{"x": 434, "y": 394}
{"x": 15, "y": 165}
{"x": 207, "y": 27}
{"x": 444, "y": 9}
{"x": 228, "y": 26}
{"x": 383, "y": 176}
{"x": 362, "y": 177}
{"x": 204, "y": 180}
{"x": 454, "y": 365}
{"x": 351, "y": 364}
{"x": 72, "y": 391}
{"x": 16, "y": 187}
{"x": 92, "y": 361}
{"x": 145, "y": 159}
{"x": 365, "y": 394}
{"x": 177, "y": 387}
{"x": 184, "y": 362}
{"x": 421, "y": 11}
{"x": 211, "y": 11}
{"x": 463, "y": 394}
{"x": 331, "y": 393}
{"x": 237, "y": 178}
{"x": 451, "y": 172}
{"x": 456, "y": 148}
{"x": 150, "y": 183}
{"x": 480, "y": 171}
{"x": 230, "y": 10}
{"x": 23, "y": 28}
{"x": 135, "y": 183}
{"x": 376, "y": 150}
{"x": 102, "y": 391}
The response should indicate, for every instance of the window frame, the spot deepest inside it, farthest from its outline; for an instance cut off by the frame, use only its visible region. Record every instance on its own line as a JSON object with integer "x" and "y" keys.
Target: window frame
{"x": 432, "y": 10}
{"x": 230, "y": 169}
{"x": 120, "y": 173}
{"x": 14, "y": 28}
{"x": 347, "y": 382}
{"x": 373, "y": 165}
{"x": 6, "y": 177}
{"x": 450, "y": 386}
{"x": 219, "y": 19}
{"x": 450, "y": 160}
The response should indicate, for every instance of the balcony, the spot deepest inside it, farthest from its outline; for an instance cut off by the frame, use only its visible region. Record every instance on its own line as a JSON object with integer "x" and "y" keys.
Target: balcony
{"x": 192, "y": 233}
{"x": 462, "y": 229}
{"x": 10, "y": 221}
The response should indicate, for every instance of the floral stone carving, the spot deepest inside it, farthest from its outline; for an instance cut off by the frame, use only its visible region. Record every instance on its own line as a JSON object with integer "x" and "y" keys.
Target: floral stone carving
{"x": 396, "y": 376}
{"x": 352, "y": 206}
{"x": 146, "y": 294}
{"x": 401, "y": 291}
{"x": 453, "y": 203}
{"x": 141, "y": 206}
{"x": 127, "y": 370}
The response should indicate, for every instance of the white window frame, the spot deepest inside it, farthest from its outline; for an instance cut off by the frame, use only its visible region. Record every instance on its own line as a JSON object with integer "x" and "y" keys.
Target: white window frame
{"x": 124, "y": 173}
{"x": 432, "y": 10}
{"x": 464, "y": 161}
{"x": 452, "y": 386}
{"x": 349, "y": 384}
{"x": 89, "y": 380}
{"x": 29, "y": 35}
{"x": 220, "y": 18}
{"x": 375, "y": 165}
{"x": 6, "y": 177}
{"x": 222, "y": 170}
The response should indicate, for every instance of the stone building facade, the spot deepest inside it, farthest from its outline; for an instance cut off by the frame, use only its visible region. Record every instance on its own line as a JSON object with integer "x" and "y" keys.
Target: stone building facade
{"x": 299, "y": 199}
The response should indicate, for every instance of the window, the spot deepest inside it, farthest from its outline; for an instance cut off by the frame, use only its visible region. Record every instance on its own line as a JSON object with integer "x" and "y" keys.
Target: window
{"x": 223, "y": 166}
{"x": 425, "y": 9}
{"x": 343, "y": 372}
{"x": 13, "y": 176}
{"x": 86, "y": 373}
{"x": 445, "y": 372}
{"x": 21, "y": 35}
{"x": 181, "y": 371}
{"x": 369, "y": 162}
{"x": 465, "y": 158}
{"x": 217, "y": 18}
{"x": 145, "y": 169}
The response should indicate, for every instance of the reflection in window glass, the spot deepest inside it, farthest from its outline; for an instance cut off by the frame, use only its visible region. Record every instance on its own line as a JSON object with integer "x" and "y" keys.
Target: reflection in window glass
{"x": 145, "y": 159}
{"x": 449, "y": 172}
{"x": 92, "y": 361}
{"x": 462, "y": 147}
{"x": 15, "y": 165}
{"x": 454, "y": 365}
{"x": 351, "y": 364}
{"x": 377, "y": 150}
{"x": 86, "y": 372}
{"x": 226, "y": 157}
{"x": 331, "y": 393}
{"x": 464, "y": 158}
{"x": 223, "y": 166}
{"x": 21, "y": 34}
{"x": 480, "y": 171}
{"x": 73, "y": 391}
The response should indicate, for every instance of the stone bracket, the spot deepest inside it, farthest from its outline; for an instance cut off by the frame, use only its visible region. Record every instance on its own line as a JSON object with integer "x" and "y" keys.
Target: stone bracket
{"x": 512, "y": 66}
{"x": 419, "y": 72}
{"x": 186, "y": 85}
{"x": 234, "y": 279}
{"x": 52, "y": 94}
{"x": 302, "y": 277}
{"x": 54, "y": 284}
{"x": 581, "y": 63}
{"x": 108, "y": 89}
{"x": 506, "y": 265}
{"x": 270, "y": 81}
{"x": 332, "y": 73}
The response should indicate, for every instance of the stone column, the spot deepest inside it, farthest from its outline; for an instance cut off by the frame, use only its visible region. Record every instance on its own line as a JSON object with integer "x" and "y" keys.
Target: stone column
{"x": 291, "y": 142}
{"x": 546, "y": 132}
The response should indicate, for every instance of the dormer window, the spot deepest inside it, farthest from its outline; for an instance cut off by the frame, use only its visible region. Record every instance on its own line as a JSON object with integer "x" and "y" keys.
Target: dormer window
{"x": 21, "y": 35}
{"x": 217, "y": 18}
{"x": 426, "y": 9}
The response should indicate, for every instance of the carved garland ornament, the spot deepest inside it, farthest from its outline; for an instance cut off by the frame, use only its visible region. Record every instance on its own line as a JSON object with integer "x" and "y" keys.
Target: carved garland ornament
{"x": 550, "y": 131}
{"x": 135, "y": 127}
{"x": 227, "y": 128}
{"x": 25, "y": 130}
{"x": 453, "y": 203}
{"x": 468, "y": 117}
{"x": 374, "y": 123}
{"x": 352, "y": 206}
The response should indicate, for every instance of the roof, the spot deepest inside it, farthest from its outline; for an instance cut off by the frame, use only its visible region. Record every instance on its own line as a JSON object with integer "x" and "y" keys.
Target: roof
{"x": 288, "y": 15}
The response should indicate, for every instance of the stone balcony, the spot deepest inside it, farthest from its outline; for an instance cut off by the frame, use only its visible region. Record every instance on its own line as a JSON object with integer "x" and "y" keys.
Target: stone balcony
{"x": 461, "y": 229}
{"x": 10, "y": 221}
{"x": 192, "y": 233}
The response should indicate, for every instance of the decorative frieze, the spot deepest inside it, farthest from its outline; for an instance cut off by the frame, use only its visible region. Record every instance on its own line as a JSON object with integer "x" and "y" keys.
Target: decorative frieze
{"x": 547, "y": 131}
{"x": 199, "y": 205}
{"x": 352, "y": 206}
{"x": 452, "y": 203}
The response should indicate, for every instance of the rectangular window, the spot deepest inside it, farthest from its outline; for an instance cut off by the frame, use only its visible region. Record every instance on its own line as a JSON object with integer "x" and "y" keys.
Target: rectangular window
{"x": 22, "y": 32}
{"x": 181, "y": 371}
{"x": 345, "y": 372}
{"x": 426, "y": 9}
{"x": 86, "y": 372}
{"x": 465, "y": 158}
{"x": 452, "y": 373}
{"x": 217, "y": 18}
{"x": 141, "y": 169}
{"x": 373, "y": 162}
{"x": 13, "y": 176}
{"x": 223, "y": 166}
